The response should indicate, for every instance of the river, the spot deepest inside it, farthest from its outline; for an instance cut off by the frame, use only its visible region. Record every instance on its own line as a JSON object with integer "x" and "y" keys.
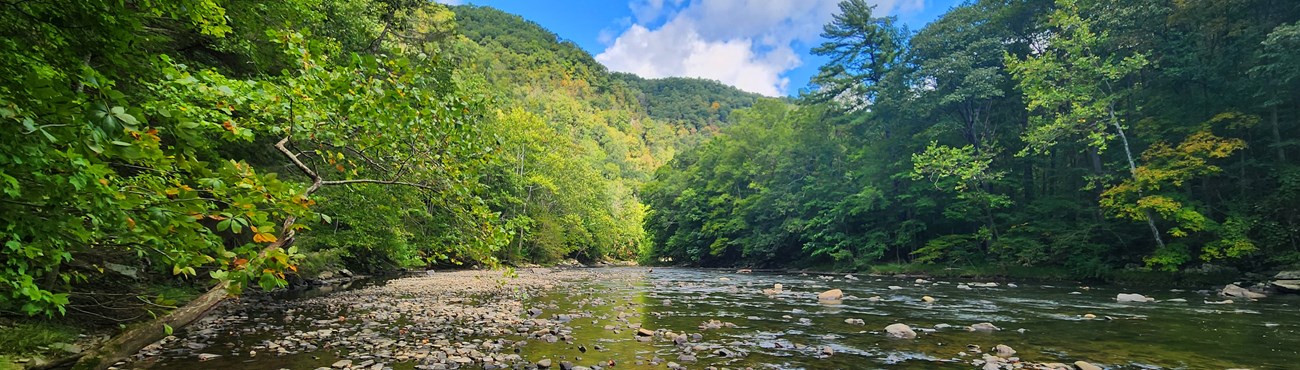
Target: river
{"x": 590, "y": 318}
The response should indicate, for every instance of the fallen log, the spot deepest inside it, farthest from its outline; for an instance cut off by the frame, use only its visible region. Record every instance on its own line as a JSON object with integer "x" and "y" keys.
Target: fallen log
{"x": 136, "y": 337}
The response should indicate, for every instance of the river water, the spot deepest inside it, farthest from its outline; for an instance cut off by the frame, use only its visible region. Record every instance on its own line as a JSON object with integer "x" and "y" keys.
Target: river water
{"x": 595, "y": 315}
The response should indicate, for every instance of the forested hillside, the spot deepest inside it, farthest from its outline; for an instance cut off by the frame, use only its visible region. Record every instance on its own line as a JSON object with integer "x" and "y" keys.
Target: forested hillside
{"x": 157, "y": 149}
{"x": 1091, "y": 135}
{"x": 580, "y": 142}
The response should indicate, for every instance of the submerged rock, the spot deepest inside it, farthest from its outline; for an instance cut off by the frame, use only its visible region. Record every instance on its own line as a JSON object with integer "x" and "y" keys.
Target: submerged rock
{"x": 1130, "y": 297}
{"x": 854, "y": 322}
{"x": 900, "y": 331}
{"x": 927, "y": 299}
{"x": 984, "y": 326}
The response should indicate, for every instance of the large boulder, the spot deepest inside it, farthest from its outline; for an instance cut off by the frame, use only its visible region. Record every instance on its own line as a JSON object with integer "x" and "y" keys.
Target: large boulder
{"x": 1232, "y": 290}
{"x": 1287, "y": 281}
{"x": 899, "y": 331}
{"x": 1287, "y": 285}
{"x": 1128, "y": 297}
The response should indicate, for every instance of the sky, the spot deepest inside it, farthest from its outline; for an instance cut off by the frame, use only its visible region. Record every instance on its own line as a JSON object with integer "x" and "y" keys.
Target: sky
{"x": 761, "y": 46}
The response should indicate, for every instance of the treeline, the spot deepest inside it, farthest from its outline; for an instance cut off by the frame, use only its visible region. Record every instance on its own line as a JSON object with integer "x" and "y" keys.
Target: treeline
{"x": 150, "y": 146}
{"x": 1089, "y": 135}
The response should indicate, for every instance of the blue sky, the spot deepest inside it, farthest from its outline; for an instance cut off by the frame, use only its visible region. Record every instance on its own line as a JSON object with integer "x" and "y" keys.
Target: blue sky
{"x": 760, "y": 46}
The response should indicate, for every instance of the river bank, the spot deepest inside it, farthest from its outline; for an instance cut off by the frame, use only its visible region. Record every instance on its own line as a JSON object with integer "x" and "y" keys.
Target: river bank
{"x": 688, "y": 318}
{"x": 711, "y": 317}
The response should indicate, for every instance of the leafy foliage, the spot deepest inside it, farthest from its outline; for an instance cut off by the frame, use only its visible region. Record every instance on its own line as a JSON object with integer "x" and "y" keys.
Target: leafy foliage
{"x": 1009, "y": 133}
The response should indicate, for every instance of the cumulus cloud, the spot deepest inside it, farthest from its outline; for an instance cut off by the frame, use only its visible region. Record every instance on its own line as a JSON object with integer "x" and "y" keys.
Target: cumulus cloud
{"x": 749, "y": 44}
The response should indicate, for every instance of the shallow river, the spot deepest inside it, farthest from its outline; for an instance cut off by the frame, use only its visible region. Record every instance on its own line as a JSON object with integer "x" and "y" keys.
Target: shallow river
{"x": 596, "y": 316}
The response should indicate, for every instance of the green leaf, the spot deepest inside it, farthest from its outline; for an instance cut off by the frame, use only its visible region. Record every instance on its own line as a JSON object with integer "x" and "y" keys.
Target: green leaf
{"x": 48, "y": 136}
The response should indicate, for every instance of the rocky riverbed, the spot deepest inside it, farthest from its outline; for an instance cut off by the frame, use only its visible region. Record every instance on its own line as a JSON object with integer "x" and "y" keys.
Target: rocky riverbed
{"x": 641, "y": 318}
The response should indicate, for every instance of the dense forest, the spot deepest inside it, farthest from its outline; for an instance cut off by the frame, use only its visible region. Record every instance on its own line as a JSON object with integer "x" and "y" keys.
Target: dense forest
{"x": 162, "y": 148}
{"x": 1085, "y": 135}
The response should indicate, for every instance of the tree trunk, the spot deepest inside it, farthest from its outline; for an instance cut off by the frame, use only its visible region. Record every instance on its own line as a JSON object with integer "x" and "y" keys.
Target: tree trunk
{"x": 133, "y": 339}
{"x": 1277, "y": 138}
{"x": 1132, "y": 169}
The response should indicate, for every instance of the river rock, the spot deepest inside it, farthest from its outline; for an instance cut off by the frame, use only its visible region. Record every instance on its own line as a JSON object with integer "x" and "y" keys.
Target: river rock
{"x": 831, "y": 295}
{"x": 899, "y": 331}
{"x": 1084, "y": 365}
{"x": 984, "y": 326}
{"x": 1232, "y": 290}
{"x": 927, "y": 299}
{"x": 1287, "y": 281}
{"x": 1004, "y": 351}
{"x": 854, "y": 322}
{"x": 776, "y": 289}
{"x": 1129, "y": 297}
{"x": 207, "y": 356}
{"x": 1287, "y": 285}
{"x": 342, "y": 364}
{"x": 645, "y": 332}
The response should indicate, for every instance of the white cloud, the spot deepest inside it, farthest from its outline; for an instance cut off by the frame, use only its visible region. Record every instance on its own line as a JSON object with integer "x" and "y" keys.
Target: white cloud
{"x": 748, "y": 44}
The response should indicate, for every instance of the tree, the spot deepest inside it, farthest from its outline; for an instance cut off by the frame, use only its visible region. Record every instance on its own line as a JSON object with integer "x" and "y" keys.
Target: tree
{"x": 1076, "y": 88}
{"x": 864, "y": 50}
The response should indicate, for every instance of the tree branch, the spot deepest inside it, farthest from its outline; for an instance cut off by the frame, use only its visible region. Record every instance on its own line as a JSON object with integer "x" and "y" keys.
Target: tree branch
{"x": 374, "y": 181}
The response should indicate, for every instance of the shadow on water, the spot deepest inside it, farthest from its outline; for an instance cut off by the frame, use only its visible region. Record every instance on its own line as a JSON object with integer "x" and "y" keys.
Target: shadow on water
{"x": 1043, "y": 322}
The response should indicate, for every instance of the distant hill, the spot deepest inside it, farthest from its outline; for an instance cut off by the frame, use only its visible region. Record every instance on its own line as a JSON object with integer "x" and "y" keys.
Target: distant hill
{"x": 688, "y": 100}
{"x": 694, "y": 103}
